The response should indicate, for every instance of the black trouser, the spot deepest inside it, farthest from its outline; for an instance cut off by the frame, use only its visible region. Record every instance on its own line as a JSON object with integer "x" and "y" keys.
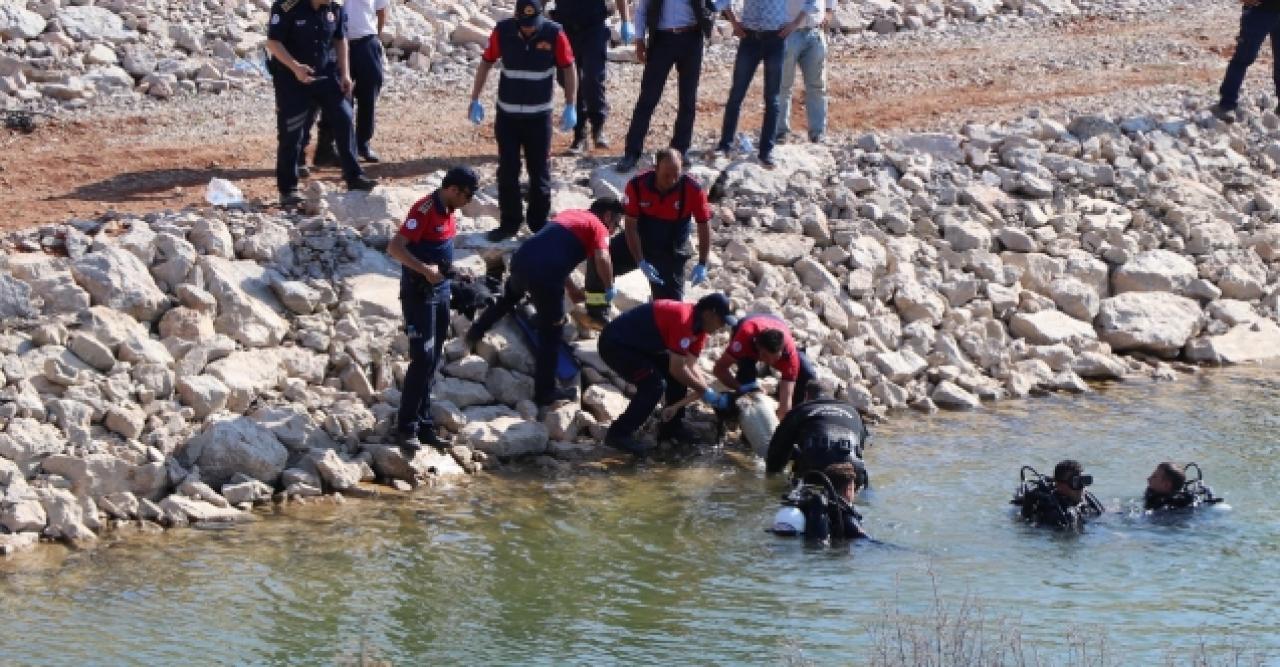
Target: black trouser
{"x": 529, "y": 134}
{"x": 665, "y": 246}
{"x": 667, "y": 49}
{"x": 366, "y": 70}
{"x": 749, "y": 371}
{"x": 590, "y": 43}
{"x": 426, "y": 319}
{"x": 548, "y": 300}
{"x": 649, "y": 374}
{"x": 295, "y": 103}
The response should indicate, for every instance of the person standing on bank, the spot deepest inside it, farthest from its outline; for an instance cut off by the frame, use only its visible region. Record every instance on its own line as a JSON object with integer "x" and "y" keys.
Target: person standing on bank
{"x": 589, "y": 35}
{"x": 424, "y": 248}
{"x": 661, "y": 207}
{"x": 676, "y": 32}
{"x": 762, "y": 31}
{"x": 540, "y": 268}
{"x": 365, "y": 21}
{"x": 806, "y": 48}
{"x": 531, "y": 48}
{"x": 1258, "y": 19}
{"x": 309, "y": 68}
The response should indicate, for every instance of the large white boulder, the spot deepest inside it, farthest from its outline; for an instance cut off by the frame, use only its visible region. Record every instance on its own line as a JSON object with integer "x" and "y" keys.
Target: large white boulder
{"x": 117, "y": 279}
{"x": 248, "y": 310}
{"x": 1049, "y": 327}
{"x": 1247, "y": 342}
{"x": 506, "y": 437}
{"x": 1154, "y": 271}
{"x": 1153, "y": 322}
{"x": 235, "y": 444}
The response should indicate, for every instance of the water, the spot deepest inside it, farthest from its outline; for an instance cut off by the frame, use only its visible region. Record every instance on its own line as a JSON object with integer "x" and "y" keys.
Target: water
{"x": 660, "y": 564}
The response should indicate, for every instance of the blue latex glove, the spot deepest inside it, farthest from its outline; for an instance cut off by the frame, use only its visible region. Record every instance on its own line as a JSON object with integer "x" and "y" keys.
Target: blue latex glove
{"x": 748, "y": 386}
{"x": 715, "y": 399}
{"x": 610, "y": 294}
{"x": 476, "y": 112}
{"x": 570, "y": 118}
{"x": 628, "y": 33}
{"x": 650, "y": 272}
{"x": 699, "y": 274}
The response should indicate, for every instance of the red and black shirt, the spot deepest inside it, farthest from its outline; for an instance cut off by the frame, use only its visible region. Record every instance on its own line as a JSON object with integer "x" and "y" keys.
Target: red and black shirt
{"x": 742, "y": 346}
{"x": 686, "y": 199}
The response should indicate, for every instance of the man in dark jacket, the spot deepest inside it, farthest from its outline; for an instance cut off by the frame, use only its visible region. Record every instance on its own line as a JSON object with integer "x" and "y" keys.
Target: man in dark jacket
{"x": 815, "y": 434}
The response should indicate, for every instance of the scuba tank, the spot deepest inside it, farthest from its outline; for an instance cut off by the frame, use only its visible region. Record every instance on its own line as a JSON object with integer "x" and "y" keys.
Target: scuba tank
{"x": 1194, "y": 493}
{"x": 812, "y": 509}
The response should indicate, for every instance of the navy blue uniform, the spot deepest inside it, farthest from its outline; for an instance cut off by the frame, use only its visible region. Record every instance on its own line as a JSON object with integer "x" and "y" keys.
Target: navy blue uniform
{"x": 814, "y": 435}
{"x": 523, "y": 121}
{"x": 1256, "y": 24}
{"x": 308, "y": 35}
{"x": 429, "y": 228}
{"x": 365, "y": 58}
{"x": 636, "y": 346}
{"x": 539, "y": 268}
{"x": 589, "y": 35}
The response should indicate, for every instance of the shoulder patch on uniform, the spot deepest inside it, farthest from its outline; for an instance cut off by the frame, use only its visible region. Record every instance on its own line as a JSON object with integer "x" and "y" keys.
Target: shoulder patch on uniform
{"x": 288, "y": 5}
{"x": 685, "y": 343}
{"x": 411, "y": 223}
{"x": 275, "y": 18}
{"x": 736, "y": 347}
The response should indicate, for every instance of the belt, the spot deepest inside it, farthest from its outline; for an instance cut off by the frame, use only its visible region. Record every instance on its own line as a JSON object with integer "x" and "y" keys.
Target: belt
{"x": 680, "y": 30}
{"x": 360, "y": 40}
{"x": 762, "y": 34}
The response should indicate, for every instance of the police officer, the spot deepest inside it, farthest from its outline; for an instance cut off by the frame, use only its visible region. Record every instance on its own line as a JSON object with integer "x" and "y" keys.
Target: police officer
{"x": 661, "y": 206}
{"x": 541, "y": 269}
{"x": 424, "y": 248}
{"x": 365, "y": 21}
{"x": 768, "y": 339}
{"x": 309, "y": 67}
{"x": 1062, "y": 502}
{"x": 676, "y": 30}
{"x": 589, "y": 35}
{"x": 655, "y": 347}
{"x": 531, "y": 48}
{"x": 817, "y": 433}
{"x": 1258, "y": 20}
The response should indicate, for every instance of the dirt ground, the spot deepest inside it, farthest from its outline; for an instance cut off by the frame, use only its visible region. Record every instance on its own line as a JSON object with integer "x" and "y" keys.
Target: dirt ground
{"x": 139, "y": 163}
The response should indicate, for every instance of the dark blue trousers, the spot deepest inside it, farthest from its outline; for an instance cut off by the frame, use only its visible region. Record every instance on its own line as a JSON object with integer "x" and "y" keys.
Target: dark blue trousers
{"x": 755, "y": 48}
{"x": 547, "y": 295}
{"x": 530, "y": 135}
{"x": 1256, "y": 24}
{"x": 648, "y": 372}
{"x": 665, "y": 246}
{"x": 294, "y": 104}
{"x": 749, "y": 371}
{"x": 683, "y": 51}
{"x": 590, "y": 55}
{"x": 366, "y": 70}
{"x": 426, "y": 319}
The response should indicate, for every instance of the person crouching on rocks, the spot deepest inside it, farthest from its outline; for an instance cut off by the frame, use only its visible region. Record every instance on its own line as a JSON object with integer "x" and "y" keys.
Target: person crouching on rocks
{"x": 424, "y": 248}
{"x": 768, "y": 339}
{"x": 655, "y": 347}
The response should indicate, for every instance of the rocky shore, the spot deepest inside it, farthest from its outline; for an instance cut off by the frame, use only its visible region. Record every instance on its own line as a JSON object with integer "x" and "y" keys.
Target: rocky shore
{"x": 184, "y": 367}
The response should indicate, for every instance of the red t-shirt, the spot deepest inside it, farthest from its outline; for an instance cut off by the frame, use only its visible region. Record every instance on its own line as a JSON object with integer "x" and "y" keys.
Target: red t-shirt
{"x": 429, "y": 220}
{"x": 643, "y": 198}
{"x": 586, "y": 227}
{"x": 675, "y": 324}
{"x": 564, "y": 52}
{"x": 742, "y": 347}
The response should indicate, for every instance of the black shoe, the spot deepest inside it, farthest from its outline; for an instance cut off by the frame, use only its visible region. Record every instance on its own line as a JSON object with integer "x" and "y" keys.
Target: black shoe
{"x": 326, "y": 159}
{"x": 304, "y": 171}
{"x": 676, "y": 431}
{"x": 409, "y": 444}
{"x": 1222, "y": 113}
{"x": 369, "y": 156}
{"x": 362, "y": 183}
{"x": 428, "y": 436}
{"x": 628, "y": 443}
{"x": 597, "y": 137}
{"x": 558, "y": 395}
{"x": 499, "y": 235}
{"x": 782, "y": 138}
{"x": 594, "y": 318}
{"x": 767, "y": 161}
{"x": 579, "y": 144}
{"x": 627, "y": 163}
{"x": 290, "y": 199}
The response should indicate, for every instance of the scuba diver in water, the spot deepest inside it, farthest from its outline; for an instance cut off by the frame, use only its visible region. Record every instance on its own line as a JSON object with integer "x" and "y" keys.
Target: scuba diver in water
{"x": 820, "y": 506}
{"x": 1060, "y": 502}
{"x": 817, "y": 433}
{"x": 1169, "y": 489}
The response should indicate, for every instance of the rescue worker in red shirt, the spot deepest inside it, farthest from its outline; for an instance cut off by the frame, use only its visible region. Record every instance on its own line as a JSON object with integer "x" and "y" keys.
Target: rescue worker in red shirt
{"x": 768, "y": 339}
{"x": 424, "y": 248}
{"x": 661, "y": 207}
{"x": 531, "y": 49}
{"x": 540, "y": 268}
{"x": 655, "y": 347}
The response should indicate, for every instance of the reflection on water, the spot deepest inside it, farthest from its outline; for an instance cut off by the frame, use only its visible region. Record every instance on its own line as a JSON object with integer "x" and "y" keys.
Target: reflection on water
{"x": 658, "y": 564}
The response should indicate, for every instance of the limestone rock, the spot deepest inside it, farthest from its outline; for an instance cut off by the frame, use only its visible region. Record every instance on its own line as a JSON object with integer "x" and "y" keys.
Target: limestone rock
{"x": 1048, "y": 327}
{"x": 1154, "y": 271}
{"x": 1244, "y": 343}
{"x": 604, "y": 402}
{"x": 117, "y": 279}
{"x": 950, "y": 396}
{"x": 205, "y": 394}
{"x": 91, "y": 351}
{"x": 506, "y": 437}
{"x": 235, "y": 444}
{"x": 462, "y": 393}
{"x": 66, "y": 518}
{"x": 247, "y": 310}
{"x": 103, "y": 474}
{"x": 15, "y": 299}
{"x": 1152, "y": 322}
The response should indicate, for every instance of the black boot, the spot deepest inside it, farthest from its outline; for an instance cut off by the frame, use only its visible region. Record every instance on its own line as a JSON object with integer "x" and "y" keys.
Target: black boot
{"x": 597, "y": 137}
{"x": 428, "y": 436}
{"x": 676, "y": 431}
{"x": 579, "y": 143}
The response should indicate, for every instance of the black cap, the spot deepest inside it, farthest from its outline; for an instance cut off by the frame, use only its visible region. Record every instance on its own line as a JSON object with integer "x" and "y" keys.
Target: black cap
{"x": 718, "y": 304}
{"x": 462, "y": 176}
{"x": 528, "y": 12}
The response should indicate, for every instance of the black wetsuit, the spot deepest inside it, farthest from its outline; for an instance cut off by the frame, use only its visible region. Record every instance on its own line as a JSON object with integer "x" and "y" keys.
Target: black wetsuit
{"x": 816, "y": 434}
{"x": 1056, "y": 511}
{"x": 830, "y": 519}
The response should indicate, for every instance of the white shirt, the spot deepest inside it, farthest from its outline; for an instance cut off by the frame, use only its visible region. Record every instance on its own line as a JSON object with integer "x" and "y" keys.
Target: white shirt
{"x": 362, "y": 17}
{"x": 815, "y": 18}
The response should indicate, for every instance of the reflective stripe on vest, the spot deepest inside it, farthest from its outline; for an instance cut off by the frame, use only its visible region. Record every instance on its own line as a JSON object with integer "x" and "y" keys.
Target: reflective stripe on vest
{"x": 529, "y": 76}
{"x": 525, "y": 108}
{"x": 527, "y": 84}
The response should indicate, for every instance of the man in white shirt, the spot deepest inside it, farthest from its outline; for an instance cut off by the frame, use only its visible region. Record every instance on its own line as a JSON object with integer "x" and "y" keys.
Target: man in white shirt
{"x": 365, "y": 21}
{"x": 807, "y": 49}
